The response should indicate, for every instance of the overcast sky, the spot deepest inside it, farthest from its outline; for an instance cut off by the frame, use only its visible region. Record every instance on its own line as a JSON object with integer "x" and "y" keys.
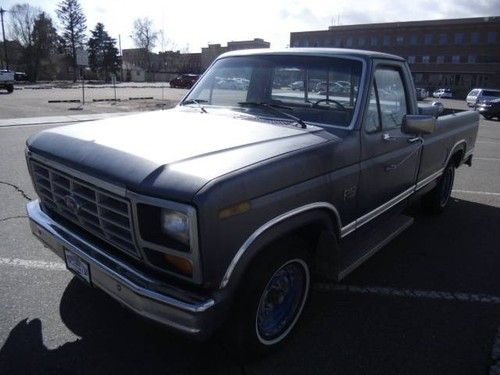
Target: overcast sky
{"x": 191, "y": 25}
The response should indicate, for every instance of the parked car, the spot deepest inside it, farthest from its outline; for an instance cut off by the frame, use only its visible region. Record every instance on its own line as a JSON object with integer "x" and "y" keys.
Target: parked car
{"x": 421, "y": 93}
{"x": 219, "y": 211}
{"x": 442, "y": 93}
{"x": 299, "y": 85}
{"x": 489, "y": 108}
{"x": 7, "y": 80}
{"x": 20, "y": 76}
{"x": 184, "y": 81}
{"x": 478, "y": 95}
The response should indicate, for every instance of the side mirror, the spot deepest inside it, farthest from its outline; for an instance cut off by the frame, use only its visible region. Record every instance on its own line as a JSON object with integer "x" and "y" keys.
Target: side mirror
{"x": 439, "y": 107}
{"x": 418, "y": 124}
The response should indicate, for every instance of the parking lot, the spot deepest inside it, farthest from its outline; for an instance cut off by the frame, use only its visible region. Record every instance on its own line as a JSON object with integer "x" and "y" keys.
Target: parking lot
{"x": 428, "y": 303}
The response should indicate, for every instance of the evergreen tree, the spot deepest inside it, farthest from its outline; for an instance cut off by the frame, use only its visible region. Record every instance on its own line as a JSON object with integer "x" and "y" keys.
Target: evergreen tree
{"x": 74, "y": 25}
{"x": 103, "y": 54}
{"x": 45, "y": 40}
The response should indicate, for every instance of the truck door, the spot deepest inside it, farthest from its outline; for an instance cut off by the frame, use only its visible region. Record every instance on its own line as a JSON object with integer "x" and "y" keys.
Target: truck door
{"x": 389, "y": 158}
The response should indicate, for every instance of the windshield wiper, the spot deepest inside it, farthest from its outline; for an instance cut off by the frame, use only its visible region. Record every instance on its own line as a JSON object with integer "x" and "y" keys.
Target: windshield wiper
{"x": 197, "y": 102}
{"x": 275, "y": 108}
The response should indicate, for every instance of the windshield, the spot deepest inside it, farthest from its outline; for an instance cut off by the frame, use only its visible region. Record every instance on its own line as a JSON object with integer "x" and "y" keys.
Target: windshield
{"x": 321, "y": 90}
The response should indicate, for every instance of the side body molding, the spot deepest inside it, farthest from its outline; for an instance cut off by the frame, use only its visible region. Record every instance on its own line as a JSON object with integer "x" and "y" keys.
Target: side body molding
{"x": 271, "y": 223}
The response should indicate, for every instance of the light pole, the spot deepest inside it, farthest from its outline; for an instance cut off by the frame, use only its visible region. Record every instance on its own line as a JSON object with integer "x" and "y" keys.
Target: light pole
{"x": 2, "y": 11}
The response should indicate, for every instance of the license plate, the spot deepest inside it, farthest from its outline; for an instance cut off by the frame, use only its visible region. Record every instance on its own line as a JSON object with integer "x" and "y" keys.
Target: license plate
{"x": 77, "y": 265}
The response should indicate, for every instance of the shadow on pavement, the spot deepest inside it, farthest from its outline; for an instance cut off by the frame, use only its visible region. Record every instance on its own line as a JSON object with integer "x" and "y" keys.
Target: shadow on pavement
{"x": 340, "y": 333}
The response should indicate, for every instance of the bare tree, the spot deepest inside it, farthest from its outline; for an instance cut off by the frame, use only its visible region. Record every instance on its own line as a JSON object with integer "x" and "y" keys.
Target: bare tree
{"x": 74, "y": 25}
{"x": 22, "y": 24}
{"x": 145, "y": 37}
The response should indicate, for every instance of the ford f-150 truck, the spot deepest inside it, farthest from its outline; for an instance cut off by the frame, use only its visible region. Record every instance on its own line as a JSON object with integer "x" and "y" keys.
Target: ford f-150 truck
{"x": 7, "y": 80}
{"x": 218, "y": 213}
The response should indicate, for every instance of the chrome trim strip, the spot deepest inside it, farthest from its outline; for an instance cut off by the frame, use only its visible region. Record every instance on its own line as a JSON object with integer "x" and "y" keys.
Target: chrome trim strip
{"x": 381, "y": 209}
{"x": 268, "y": 225}
{"x": 349, "y": 228}
{"x": 45, "y": 222}
{"x": 428, "y": 179}
{"x": 118, "y": 190}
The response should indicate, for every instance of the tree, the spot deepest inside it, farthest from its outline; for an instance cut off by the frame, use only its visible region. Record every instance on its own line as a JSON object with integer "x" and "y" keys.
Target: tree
{"x": 22, "y": 22}
{"x": 103, "y": 54}
{"x": 145, "y": 37}
{"x": 74, "y": 25}
{"x": 45, "y": 42}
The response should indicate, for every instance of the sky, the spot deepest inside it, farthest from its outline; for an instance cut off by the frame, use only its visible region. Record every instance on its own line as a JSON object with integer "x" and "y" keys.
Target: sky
{"x": 188, "y": 26}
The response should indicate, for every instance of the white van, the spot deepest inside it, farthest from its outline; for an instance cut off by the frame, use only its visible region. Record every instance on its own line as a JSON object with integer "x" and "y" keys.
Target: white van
{"x": 479, "y": 95}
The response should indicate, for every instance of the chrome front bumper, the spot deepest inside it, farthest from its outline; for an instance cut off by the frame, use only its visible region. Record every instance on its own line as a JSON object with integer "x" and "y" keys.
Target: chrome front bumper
{"x": 148, "y": 297}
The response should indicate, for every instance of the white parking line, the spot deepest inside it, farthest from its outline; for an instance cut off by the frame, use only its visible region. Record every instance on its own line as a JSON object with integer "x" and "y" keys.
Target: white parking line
{"x": 408, "y": 293}
{"x": 475, "y": 192}
{"x": 33, "y": 264}
{"x": 488, "y": 159}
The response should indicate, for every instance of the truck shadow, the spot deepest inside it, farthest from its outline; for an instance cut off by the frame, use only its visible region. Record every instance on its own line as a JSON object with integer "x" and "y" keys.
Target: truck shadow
{"x": 348, "y": 333}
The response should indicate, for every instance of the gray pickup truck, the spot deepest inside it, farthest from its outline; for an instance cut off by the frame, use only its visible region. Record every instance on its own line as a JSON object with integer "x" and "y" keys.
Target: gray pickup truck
{"x": 218, "y": 213}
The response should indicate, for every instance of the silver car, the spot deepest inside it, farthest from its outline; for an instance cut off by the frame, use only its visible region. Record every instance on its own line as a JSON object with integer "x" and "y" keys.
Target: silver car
{"x": 480, "y": 95}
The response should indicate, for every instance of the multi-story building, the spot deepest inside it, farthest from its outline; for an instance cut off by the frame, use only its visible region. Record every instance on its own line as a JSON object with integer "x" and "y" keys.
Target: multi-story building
{"x": 210, "y": 53}
{"x": 456, "y": 53}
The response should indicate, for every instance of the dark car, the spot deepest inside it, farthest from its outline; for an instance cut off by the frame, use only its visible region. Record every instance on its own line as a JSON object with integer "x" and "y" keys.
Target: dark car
{"x": 489, "y": 108}
{"x": 184, "y": 81}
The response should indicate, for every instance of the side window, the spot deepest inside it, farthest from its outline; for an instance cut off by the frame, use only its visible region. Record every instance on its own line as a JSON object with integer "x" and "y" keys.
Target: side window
{"x": 387, "y": 103}
{"x": 391, "y": 96}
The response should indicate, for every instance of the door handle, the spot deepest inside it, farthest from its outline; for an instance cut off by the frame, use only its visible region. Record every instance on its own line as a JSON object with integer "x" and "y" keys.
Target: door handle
{"x": 387, "y": 137}
{"x": 415, "y": 139}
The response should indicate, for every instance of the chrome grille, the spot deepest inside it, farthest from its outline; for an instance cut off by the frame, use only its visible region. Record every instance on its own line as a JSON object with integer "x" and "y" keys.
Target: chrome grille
{"x": 102, "y": 213}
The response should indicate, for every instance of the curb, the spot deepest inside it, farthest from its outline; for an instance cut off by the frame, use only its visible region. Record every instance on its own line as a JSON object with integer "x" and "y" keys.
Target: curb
{"x": 65, "y": 101}
{"x": 140, "y": 98}
{"x": 106, "y": 100}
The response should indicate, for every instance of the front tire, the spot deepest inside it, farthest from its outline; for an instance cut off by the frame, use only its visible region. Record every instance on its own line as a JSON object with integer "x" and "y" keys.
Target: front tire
{"x": 10, "y": 89}
{"x": 435, "y": 201}
{"x": 488, "y": 117}
{"x": 271, "y": 299}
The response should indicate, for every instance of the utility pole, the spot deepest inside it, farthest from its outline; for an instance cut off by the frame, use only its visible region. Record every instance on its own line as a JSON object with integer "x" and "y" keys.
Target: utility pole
{"x": 2, "y": 11}
{"x": 121, "y": 57}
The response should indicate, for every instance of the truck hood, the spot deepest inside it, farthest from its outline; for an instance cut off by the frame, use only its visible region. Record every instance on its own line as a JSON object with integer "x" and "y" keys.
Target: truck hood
{"x": 170, "y": 154}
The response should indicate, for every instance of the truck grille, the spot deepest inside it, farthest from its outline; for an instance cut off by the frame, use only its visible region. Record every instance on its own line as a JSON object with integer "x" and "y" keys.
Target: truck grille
{"x": 102, "y": 213}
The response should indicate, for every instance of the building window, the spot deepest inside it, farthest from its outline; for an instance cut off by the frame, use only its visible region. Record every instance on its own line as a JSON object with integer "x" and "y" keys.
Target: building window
{"x": 459, "y": 38}
{"x": 426, "y": 59}
{"x": 400, "y": 39}
{"x": 474, "y": 38}
{"x": 428, "y": 39}
{"x": 413, "y": 40}
{"x": 306, "y": 43}
{"x": 387, "y": 40}
{"x": 348, "y": 42}
{"x": 374, "y": 41}
{"x": 361, "y": 41}
{"x": 471, "y": 59}
{"x": 455, "y": 59}
{"x": 492, "y": 37}
{"x": 439, "y": 59}
{"x": 411, "y": 59}
{"x": 443, "y": 39}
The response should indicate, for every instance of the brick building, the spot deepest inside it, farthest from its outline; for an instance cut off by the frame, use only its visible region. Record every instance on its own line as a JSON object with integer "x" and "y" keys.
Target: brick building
{"x": 210, "y": 53}
{"x": 456, "y": 53}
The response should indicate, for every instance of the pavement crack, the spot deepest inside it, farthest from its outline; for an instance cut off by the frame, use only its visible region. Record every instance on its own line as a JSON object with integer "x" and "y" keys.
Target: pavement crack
{"x": 13, "y": 217}
{"x": 18, "y": 189}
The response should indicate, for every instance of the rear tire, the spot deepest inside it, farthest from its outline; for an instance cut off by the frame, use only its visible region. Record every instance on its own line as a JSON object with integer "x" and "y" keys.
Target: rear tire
{"x": 488, "y": 117}
{"x": 10, "y": 89}
{"x": 270, "y": 300}
{"x": 435, "y": 201}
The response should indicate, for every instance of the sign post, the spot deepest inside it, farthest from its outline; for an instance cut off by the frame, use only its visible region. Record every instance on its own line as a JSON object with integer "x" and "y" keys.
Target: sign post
{"x": 82, "y": 60}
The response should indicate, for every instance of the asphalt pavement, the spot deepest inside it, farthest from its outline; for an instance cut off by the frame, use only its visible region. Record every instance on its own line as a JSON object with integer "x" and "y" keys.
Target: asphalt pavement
{"x": 428, "y": 303}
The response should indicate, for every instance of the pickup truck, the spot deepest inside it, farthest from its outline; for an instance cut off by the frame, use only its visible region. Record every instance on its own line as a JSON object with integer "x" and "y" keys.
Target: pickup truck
{"x": 214, "y": 216}
{"x": 7, "y": 79}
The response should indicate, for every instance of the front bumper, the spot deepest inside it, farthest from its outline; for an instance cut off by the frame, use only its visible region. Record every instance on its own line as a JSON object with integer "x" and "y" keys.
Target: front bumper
{"x": 149, "y": 297}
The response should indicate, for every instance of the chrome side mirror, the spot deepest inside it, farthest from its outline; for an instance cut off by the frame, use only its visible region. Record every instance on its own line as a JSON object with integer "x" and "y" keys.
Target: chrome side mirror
{"x": 439, "y": 107}
{"x": 418, "y": 124}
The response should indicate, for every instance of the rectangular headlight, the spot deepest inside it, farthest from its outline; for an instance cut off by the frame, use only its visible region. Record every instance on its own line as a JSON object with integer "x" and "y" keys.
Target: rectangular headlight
{"x": 175, "y": 225}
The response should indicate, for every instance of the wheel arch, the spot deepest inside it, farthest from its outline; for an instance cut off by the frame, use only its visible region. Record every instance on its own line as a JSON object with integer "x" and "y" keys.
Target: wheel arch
{"x": 308, "y": 222}
{"x": 457, "y": 153}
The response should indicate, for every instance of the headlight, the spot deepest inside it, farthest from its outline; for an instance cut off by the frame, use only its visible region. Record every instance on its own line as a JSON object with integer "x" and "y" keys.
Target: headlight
{"x": 175, "y": 225}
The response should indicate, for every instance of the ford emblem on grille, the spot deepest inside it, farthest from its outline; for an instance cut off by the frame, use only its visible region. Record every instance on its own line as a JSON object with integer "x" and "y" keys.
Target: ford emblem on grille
{"x": 72, "y": 204}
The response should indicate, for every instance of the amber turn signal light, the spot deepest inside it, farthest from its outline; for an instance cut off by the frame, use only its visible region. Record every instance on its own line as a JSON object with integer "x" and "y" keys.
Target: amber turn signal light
{"x": 182, "y": 265}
